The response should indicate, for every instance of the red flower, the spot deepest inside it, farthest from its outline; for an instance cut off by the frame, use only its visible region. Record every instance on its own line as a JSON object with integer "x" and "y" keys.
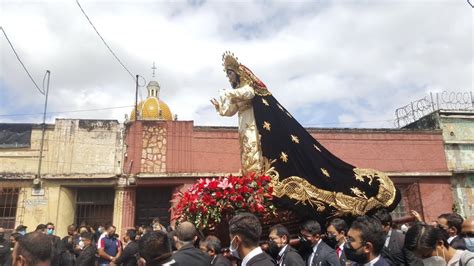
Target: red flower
{"x": 208, "y": 200}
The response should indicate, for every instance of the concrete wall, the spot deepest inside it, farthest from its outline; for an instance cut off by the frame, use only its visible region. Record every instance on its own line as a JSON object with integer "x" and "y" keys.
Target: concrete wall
{"x": 463, "y": 189}
{"x": 458, "y": 134}
{"x": 57, "y": 205}
{"x": 85, "y": 147}
{"x": 25, "y": 160}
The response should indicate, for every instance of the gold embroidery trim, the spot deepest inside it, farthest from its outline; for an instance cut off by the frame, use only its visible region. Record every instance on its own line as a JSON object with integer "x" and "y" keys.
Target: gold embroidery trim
{"x": 295, "y": 139}
{"x": 316, "y": 147}
{"x": 267, "y": 125}
{"x": 325, "y": 172}
{"x": 300, "y": 190}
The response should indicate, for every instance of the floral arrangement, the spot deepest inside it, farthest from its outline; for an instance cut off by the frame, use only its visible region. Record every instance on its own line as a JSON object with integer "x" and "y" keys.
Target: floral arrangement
{"x": 209, "y": 201}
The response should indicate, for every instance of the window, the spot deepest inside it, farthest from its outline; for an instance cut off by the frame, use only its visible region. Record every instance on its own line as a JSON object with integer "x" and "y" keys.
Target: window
{"x": 401, "y": 209}
{"x": 153, "y": 203}
{"x": 95, "y": 206}
{"x": 8, "y": 206}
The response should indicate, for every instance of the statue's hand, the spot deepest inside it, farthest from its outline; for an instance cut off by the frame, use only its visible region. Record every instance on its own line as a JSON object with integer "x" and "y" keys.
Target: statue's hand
{"x": 216, "y": 104}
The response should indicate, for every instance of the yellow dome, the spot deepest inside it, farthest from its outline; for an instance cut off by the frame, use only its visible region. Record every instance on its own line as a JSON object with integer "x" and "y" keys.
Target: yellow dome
{"x": 152, "y": 109}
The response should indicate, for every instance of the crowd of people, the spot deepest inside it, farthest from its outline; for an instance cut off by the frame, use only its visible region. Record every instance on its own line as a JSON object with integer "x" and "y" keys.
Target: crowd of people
{"x": 367, "y": 240}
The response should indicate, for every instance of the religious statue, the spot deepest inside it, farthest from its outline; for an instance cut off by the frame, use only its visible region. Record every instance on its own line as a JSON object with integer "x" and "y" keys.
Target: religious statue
{"x": 306, "y": 177}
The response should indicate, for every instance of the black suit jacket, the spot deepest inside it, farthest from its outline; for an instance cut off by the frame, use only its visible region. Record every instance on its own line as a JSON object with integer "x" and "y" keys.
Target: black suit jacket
{"x": 262, "y": 259}
{"x": 87, "y": 256}
{"x": 393, "y": 253}
{"x": 411, "y": 259}
{"x": 220, "y": 260}
{"x": 458, "y": 243}
{"x": 291, "y": 257}
{"x": 342, "y": 259}
{"x": 129, "y": 255}
{"x": 5, "y": 253}
{"x": 324, "y": 256}
{"x": 380, "y": 262}
{"x": 189, "y": 255}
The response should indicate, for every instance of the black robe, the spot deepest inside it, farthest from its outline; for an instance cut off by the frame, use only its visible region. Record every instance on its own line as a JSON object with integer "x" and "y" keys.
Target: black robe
{"x": 309, "y": 179}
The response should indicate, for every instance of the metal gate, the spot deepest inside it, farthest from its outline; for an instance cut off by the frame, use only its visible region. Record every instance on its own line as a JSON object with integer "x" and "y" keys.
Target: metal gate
{"x": 95, "y": 206}
{"x": 8, "y": 207}
{"x": 151, "y": 203}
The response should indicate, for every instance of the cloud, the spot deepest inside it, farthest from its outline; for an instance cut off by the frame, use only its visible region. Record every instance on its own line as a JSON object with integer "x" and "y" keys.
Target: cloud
{"x": 357, "y": 60}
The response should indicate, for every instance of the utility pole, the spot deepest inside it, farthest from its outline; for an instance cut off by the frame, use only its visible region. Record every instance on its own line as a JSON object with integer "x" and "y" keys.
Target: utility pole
{"x": 37, "y": 181}
{"x": 136, "y": 98}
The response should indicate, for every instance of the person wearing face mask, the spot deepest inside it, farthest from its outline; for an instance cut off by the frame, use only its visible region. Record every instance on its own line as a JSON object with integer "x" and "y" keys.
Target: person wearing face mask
{"x": 5, "y": 252}
{"x": 213, "y": 249}
{"x": 130, "y": 250}
{"x": 245, "y": 231}
{"x": 279, "y": 248}
{"x": 109, "y": 247}
{"x": 58, "y": 246}
{"x": 50, "y": 228}
{"x": 393, "y": 247}
{"x": 430, "y": 244}
{"x": 336, "y": 236}
{"x": 316, "y": 251}
{"x": 364, "y": 242}
{"x": 21, "y": 229}
{"x": 451, "y": 223}
{"x": 468, "y": 233}
{"x": 87, "y": 256}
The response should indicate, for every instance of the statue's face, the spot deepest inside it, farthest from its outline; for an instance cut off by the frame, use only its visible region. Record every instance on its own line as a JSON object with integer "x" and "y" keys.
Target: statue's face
{"x": 233, "y": 78}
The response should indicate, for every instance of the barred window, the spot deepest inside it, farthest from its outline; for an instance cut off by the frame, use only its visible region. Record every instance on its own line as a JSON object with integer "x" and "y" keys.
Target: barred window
{"x": 95, "y": 206}
{"x": 8, "y": 207}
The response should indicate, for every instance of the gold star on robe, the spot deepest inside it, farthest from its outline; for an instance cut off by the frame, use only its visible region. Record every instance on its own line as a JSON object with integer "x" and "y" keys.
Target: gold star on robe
{"x": 325, "y": 172}
{"x": 279, "y": 106}
{"x": 265, "y": 102}
{"x": 266, "y": 125}
{"x": 295, "y": 139}
{"x": 284, "y": 157}
{"x": 316, "y": 147}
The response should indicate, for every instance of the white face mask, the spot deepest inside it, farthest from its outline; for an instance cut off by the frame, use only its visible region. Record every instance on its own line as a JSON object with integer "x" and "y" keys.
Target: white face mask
{"x": 434, "y": 261}
{"x": 233, "y": 250}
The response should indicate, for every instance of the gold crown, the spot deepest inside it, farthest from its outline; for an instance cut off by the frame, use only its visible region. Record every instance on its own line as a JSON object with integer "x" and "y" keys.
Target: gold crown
{"x": 229, "y": 61}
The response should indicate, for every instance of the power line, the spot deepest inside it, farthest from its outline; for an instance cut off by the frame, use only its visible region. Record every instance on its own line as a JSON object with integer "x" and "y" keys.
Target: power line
{"x": 105, "y": 43}
{"x": 23, "y": 65}
{"x": 70, "y": 111}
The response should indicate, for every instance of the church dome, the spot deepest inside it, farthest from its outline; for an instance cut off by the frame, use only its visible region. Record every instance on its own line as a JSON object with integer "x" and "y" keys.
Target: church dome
{"x": 152, "y": 108}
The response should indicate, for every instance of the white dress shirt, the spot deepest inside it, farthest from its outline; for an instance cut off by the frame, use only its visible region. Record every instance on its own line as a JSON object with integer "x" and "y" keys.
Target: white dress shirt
{"x": 387, "y": 240}
{"x": 280, "y": 262}
{"x": 251, "y": 254}
{"x": 310, "y": 261}
{"x": 372, "y": 262}
{"x": 450, "y": 239}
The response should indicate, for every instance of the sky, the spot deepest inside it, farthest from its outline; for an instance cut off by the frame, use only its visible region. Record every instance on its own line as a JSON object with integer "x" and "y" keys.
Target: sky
{"x": 330, "y": 63}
